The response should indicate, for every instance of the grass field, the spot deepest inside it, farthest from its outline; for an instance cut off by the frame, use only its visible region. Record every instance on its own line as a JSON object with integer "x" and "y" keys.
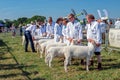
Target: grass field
{"x": 15, "y": 64}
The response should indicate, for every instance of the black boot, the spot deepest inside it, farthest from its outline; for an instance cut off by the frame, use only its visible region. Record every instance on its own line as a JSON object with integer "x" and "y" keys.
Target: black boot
{"x": 91, "y": 63}
{"x": 99, "y": 66}
{"x": 82, "y": 62}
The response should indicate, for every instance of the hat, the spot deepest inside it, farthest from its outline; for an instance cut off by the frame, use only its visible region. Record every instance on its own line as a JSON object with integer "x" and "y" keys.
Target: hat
{"x": 104, "y": 18}
{"x": 32, "y": 22}
{"x": 28, "y": 24}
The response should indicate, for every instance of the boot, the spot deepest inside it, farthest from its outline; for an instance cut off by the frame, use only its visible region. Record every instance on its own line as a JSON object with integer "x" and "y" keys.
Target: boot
{"x": 82, "y": 62}
{"x": 99, "y": 66}
{"x": 91, "y": 63}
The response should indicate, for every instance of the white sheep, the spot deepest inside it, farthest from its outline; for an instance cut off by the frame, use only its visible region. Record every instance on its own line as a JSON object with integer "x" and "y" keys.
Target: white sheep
{"x": 53, "y": 52}
{"x": 23, "y": 40}
{"x": 40, "y": 42}
{"x": 78, "y": 52}
{"x": 54, "y": 45}
{"x": 43, "y": 46}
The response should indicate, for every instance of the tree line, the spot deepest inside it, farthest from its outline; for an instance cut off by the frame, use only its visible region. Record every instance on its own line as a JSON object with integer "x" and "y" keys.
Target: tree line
{"x": 21, "y": 20}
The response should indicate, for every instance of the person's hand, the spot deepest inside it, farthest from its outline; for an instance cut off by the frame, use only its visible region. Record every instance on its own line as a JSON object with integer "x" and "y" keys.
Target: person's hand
{"x": 61, "y": 37}
{"x": 79, "y": 41}
{"x": 90, "y": 40}
{"x": 33, "y": 38}
{"x": 70, "y": 39}
{"x": 44, "y": 34}
{"x": 98, "y": 44}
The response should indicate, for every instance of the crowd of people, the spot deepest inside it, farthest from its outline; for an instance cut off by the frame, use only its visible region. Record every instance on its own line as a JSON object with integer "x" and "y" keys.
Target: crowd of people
{"x": 68, "y": 29}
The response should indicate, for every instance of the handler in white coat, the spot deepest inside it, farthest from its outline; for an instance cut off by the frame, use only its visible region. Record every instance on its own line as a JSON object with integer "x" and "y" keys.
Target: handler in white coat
{"x": 73, "y": 30}
{"x": 58, "y": 30}
{"x": 65, "y": 21}
{"x": 50, "y": 28}
{"x": 94, "y": 34}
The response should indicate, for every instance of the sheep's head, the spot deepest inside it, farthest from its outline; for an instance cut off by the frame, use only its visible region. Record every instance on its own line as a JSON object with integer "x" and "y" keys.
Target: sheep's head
{"x": 74, "y": 42}
{"x": 92, "y": 45}
{"x": 61, "y": 40}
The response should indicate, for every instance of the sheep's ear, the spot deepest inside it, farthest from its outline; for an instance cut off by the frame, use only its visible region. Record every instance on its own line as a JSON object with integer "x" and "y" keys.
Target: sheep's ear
{"x": 93, "y": 42}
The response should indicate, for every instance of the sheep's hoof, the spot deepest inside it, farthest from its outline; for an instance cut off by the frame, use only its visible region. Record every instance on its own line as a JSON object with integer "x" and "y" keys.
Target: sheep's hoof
{"x": 87, "y": 70}
{"x": 66, "y": 71}
{"x": 40, "y": 56}
{"x": 50, "y": 67}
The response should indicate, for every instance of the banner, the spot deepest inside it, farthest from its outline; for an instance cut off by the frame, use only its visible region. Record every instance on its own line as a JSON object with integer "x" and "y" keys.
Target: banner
{"x": 114, "y": 37}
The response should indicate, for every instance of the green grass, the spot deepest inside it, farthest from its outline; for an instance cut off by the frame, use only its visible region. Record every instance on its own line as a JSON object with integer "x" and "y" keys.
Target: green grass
{"x": 15, "y": 64}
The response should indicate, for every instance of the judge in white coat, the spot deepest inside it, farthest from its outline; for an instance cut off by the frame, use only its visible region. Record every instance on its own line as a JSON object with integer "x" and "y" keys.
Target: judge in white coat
{"x": 65, "y": 21}
{"x": 50, "y": 28}
{"x": 94, "y": 34}
{"x": 58, "y": 30}
{"x": 73, "y": 30}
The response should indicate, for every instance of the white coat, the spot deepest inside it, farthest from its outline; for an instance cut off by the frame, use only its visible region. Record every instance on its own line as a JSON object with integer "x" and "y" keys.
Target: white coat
{"x": 74, "y": 31}
{"x": 57, "y": 32}
{"x": 94, "y": 32}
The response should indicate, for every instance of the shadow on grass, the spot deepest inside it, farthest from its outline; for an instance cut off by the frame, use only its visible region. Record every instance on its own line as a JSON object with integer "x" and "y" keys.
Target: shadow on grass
{"x": 18, "y": 66}
{"x": 111, "y": 66}
{"x": 16, "y": 74}
{"x": 14, "y": 66}
{"x": 39, "y": 79}
{"x": 106, "y": 66}
{"x": 4, "y": 58}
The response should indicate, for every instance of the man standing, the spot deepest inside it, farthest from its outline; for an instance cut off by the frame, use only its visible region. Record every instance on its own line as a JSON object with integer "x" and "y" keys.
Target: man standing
{"x": 94, "y": 34}
{"x": 29, "y": 31}
{"x": 42, "y": 29}
{"x": 13, "y": 30}
{"x": 50, "y": 28}
{"x": 58, "y": 30}
{"x": 73, "y": 30}
{"x": 117, "y": 24}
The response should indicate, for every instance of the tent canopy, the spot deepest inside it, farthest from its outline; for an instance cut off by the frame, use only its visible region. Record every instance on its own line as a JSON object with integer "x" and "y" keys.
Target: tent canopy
{"x": 1, "y": 25}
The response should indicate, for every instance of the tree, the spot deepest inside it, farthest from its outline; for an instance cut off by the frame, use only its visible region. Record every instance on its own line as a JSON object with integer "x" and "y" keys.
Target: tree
{"x": 2, "y": 22}
{"x": 22, "y": 20}
{"x": 8, "y": 23}
{"x": 16, "y": 23}
{"x": 36, "y": 17}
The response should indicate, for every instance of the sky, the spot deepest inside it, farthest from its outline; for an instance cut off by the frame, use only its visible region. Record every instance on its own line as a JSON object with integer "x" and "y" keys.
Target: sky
{"x": 13, "y": 9}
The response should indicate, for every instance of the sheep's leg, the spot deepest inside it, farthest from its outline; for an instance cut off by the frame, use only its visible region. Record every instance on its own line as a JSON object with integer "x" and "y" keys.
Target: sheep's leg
{"x": 47, "y": 58}
{"x": 69, "y": 61}
{"x": 37, "y": 48}
{"x": 41, "y": 53}
{"x": 45, "y": 52}
{"x": 23, "y": 40}
{"x": 66, "y": 63}
{"x": 40, "y": 50}
{"x": 36, "y": 45}
{"x": 50, "y": 60}
{"x": 87, "y": 64}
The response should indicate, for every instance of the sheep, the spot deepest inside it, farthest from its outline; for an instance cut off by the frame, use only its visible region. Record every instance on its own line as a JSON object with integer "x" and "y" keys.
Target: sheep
{"x": 40, "y": 42}
{"x": 79, "y": 52}
{"x": 43, "y": 46}
{"x": 54, "y": 45}
{"x": 35, "y": 43}
{"x": 23, "y": 40}
{"x": 75, "y": 42}
{"x": 53, "y": 52}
